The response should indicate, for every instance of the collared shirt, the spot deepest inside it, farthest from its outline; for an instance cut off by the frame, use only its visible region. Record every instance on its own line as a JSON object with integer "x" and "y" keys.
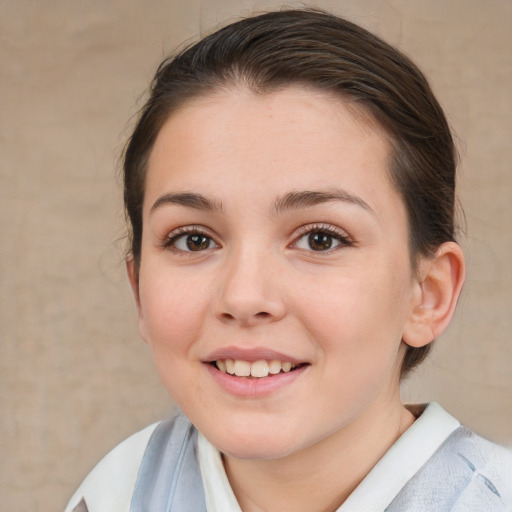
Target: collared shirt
{"x": 436, "y": 465}
{"x": 401, "y": 462}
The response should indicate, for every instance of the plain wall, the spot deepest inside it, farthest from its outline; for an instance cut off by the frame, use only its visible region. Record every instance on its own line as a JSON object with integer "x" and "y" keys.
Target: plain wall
{"x": 74, "y": 377}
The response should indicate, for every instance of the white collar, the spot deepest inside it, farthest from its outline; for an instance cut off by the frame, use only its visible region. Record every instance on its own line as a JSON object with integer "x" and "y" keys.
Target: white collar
{"x": 378, "y": 489}
{"x": 402, "y": 461}
{"x": 218, "y": 494}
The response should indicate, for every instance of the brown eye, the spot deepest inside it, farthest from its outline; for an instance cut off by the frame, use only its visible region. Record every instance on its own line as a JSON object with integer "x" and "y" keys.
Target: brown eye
{"x": 191, "y": 242}
{"x": 198, "y": 242}
{"x": 320, "y": 241}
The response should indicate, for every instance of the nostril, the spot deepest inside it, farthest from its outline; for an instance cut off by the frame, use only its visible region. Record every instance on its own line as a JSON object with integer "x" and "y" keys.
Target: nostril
{"x": 262, "y": 314}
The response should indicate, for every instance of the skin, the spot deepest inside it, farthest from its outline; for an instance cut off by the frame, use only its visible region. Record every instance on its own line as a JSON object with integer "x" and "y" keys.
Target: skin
{"x": 257, "y": 283}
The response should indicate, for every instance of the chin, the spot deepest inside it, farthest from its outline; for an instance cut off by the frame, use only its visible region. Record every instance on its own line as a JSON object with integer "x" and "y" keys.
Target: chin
{"x": 255, "y": 453}
{"x": 254, "y": 446}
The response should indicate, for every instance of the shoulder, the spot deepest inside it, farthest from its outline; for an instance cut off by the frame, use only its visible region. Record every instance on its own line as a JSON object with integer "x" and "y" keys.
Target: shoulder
{"x": 109, "y": 486}
{"x": 487, "y": 466}
{"x": 467, "y": 472}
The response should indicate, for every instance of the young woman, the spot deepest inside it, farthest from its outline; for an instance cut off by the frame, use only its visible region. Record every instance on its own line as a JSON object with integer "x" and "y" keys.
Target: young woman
{"x": 290, "y": 192}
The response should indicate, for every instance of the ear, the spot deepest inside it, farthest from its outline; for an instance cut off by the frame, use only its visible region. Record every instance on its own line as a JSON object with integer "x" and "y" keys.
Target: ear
{"x": 436, "y": 291}
{"x": 133, "y": 277}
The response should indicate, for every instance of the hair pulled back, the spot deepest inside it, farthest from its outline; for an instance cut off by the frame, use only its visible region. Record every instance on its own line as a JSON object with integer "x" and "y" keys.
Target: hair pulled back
{"x": 321, "y": 51}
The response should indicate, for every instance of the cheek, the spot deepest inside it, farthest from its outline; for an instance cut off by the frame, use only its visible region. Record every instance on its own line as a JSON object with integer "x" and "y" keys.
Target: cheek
{"x": 172, "y": 310}
{"x": 172, "y": 318}
{"x": 359, "y": 313}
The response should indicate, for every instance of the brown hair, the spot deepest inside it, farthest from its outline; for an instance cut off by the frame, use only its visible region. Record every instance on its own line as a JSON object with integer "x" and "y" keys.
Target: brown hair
{"x": 322, "y": 51}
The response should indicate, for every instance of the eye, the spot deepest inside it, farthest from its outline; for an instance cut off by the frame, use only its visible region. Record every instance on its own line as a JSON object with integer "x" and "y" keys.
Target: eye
{"x": 189, "y": 240}
{"x": 321, "y": 239}
{"x": 193, "y": 242}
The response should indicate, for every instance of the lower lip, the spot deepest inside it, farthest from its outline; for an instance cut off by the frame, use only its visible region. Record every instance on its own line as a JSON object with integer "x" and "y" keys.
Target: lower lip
{"x": 246, "y": 387}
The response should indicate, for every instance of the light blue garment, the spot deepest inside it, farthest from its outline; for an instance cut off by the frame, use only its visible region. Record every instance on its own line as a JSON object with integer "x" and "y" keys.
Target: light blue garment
{"x": 169, "y": 478}
{"x": 466, "y": 474}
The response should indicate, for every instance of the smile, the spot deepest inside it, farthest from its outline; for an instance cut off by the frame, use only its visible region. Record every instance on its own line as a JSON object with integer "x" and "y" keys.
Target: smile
{"x": 257, "y": 369}
{"x": 256, "y": 378}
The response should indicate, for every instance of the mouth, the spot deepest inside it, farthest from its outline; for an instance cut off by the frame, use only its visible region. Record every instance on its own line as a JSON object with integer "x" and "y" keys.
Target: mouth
{"x": 256, "y": 369}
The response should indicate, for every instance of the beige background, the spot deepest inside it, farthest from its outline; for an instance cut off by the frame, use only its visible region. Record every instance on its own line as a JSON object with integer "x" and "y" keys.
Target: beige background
{"x": 74, "y": 377}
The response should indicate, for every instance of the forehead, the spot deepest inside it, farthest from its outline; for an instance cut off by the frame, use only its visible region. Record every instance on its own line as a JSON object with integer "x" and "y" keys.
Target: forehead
{"x": 294, "y": 106}
{"x": 295, "y": 137}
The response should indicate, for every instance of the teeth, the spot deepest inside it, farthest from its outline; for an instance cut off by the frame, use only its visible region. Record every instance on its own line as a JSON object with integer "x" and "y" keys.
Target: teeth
{"x": 258, "y": 369}
{"x": 287, "y": 366}
{"x": 242, "y": 368}
{"x": 230, "y": 366}
{"x": 274, "y": 367}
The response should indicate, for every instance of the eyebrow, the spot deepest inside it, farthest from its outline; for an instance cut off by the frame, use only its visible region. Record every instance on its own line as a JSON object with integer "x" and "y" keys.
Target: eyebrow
{"x": 291, "y": 201}
{"x": 190, "y": 199}
{"x": 304, "y": 199}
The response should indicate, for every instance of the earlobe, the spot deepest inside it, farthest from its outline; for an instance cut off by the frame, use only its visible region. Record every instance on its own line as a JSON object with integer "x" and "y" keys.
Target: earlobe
{"x": 133, "y": 277}
{"x": 435, "y": 295}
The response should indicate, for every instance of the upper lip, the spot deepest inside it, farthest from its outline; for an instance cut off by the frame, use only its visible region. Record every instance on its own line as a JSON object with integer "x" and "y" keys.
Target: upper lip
{"x": 249, "y": 354}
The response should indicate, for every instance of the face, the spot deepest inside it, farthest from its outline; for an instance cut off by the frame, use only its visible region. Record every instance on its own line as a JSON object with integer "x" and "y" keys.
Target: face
{"x": 274, "y": 285}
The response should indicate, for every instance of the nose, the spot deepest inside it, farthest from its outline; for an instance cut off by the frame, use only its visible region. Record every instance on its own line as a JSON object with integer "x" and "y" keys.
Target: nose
{"x": 249, "y": 291}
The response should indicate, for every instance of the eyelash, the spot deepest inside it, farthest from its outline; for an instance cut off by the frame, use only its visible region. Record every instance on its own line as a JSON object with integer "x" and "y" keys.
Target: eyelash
{"x": 174, "y": 236}
{"x": 340, "y": 236}
{"x": 326, "y": 229}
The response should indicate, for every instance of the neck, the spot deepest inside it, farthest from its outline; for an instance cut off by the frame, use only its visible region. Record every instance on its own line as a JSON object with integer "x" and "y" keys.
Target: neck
{"x": 319, "y": 478}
